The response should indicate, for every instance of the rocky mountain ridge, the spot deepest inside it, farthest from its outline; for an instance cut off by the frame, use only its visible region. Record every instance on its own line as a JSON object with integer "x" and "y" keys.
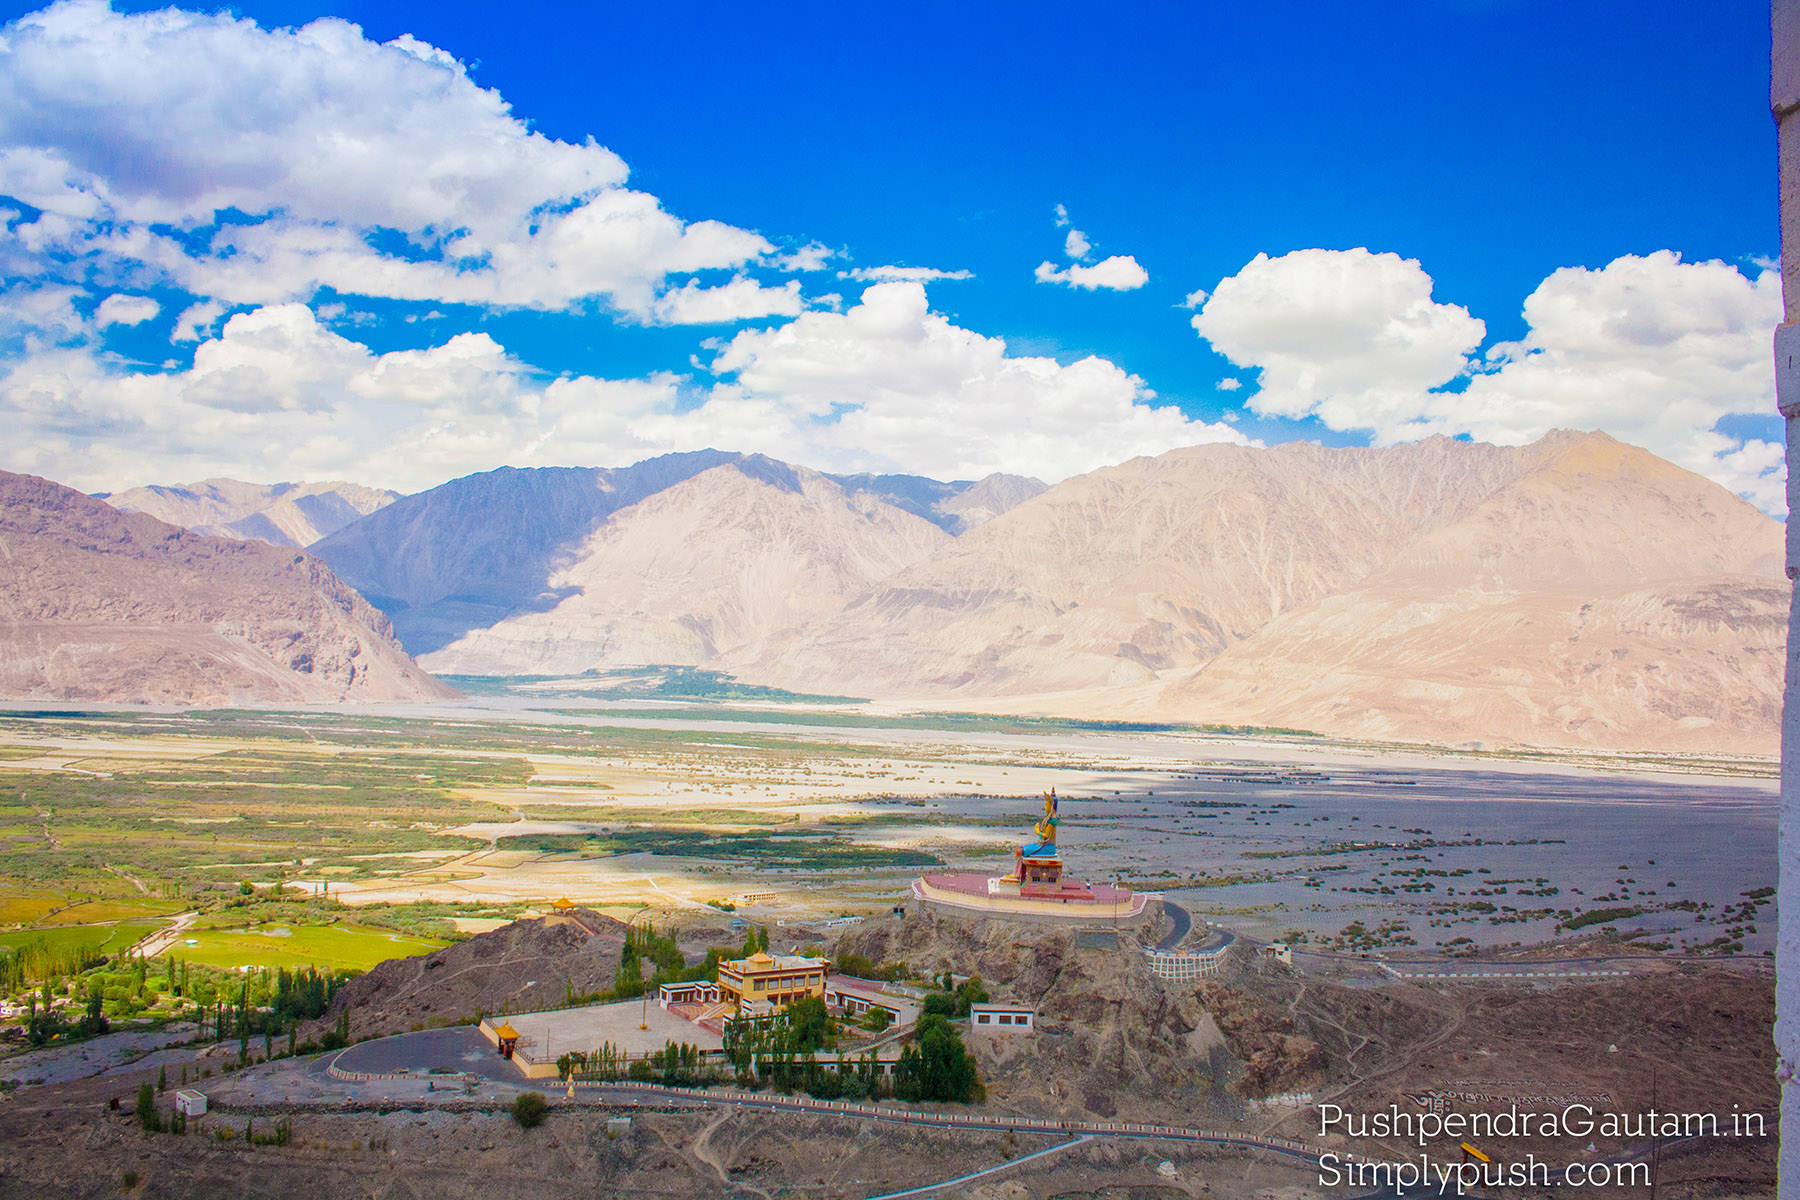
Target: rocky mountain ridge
{"x": 100, "y": 605}
{"x": 283, "y": 514}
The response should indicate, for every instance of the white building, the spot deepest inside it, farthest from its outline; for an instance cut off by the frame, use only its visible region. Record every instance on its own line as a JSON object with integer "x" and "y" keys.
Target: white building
{"x": 698, "y": 991}
{"x": 190, "y": 1103}
{"x": 1002, "y": 1018}
{"x": 854, "y": 997}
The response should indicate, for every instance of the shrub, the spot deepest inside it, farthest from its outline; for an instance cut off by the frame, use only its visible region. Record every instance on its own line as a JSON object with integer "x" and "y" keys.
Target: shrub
{"x": 529, "y": 1109}
{"x": 146, "y": 1109}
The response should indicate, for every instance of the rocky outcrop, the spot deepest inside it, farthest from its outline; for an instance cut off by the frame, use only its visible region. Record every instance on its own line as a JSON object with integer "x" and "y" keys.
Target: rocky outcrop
{"x": 100, "y": 605}
{"x": 526, "y": 966}
{"x": 1113, "y": 1028}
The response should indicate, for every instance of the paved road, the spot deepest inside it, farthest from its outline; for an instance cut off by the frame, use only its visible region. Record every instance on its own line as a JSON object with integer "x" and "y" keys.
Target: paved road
{"x": 460, "y": 1047}
{"x": 1183, "y": 923}
{"x": 165, "y": 937}
{"x": 1005, "y": 1166}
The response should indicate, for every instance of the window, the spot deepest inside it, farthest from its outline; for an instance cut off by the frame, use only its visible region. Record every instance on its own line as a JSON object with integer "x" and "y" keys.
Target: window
{"x": 983, "y": 1019}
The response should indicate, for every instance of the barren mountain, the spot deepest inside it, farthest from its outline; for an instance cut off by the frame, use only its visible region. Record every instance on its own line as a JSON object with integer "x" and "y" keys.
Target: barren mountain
{"x": 463, "y": 569}
{"x": 1606, "y": 598}
{"x": 955, "y": 507}
{"x": 1574, "y": 591}
{"x": 96, "y": 604}
{"x": 731, "y": 558}
{"x": 283, "y": 514}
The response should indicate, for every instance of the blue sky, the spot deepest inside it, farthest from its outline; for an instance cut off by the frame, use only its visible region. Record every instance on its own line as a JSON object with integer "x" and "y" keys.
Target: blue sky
{"x": 1616, "y": 160}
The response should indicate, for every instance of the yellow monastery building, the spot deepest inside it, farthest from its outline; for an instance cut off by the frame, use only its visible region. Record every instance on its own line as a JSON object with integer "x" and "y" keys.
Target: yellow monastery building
{"x": 764, "y": 982}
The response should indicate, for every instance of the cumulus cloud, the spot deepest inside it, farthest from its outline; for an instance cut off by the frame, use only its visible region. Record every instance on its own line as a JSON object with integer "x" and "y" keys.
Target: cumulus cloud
{"x": 877, "y": 387}
{"x": 1653, "y": 350}
{"x": 197, "y": 320}
{"x": 811, "y": 257}
{"x": 1229, "y": 384}
{"x": 1076, "y": 245}
{"x": 1120, "y": 273}
{"x": 902, "y": 274}
{"x": 1351, "y": 337}
{"x": 739, "y": 300}
{"x": 277, "y": 395}
{"x": 122, "y": 309}
{"x": 290, "y": 159}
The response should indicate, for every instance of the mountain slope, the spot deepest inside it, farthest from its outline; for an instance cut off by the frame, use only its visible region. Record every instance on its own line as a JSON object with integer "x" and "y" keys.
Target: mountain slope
{"x": 283, "y": 514}
{"x": 955, "y": 507}
{"x": 733, "y": 557}
{"x": 495, "y": 547}
{"x": 1115, "y": 576}
{"x": 1606, "y": 598}
{"x": 1573, "y": 591}
{"x": 101, "y": 605}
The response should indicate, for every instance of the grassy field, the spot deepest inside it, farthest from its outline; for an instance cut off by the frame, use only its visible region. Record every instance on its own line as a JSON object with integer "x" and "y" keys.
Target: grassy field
{"x": 110, "y": 938}
{"x": 342, "y": 946}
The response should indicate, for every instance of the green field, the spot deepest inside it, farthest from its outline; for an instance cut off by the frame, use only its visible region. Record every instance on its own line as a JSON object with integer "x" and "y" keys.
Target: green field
{"x": 342, "y": 946}
{"x": 110, "y": 938}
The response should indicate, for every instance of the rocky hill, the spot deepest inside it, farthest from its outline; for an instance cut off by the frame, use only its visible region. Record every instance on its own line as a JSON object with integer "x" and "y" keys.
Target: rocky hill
{"x": 283, "y": 514}
{"x": 522, "y": 967}
{"x": 1113, "y": 1036}
{"x": 101, "y": 605}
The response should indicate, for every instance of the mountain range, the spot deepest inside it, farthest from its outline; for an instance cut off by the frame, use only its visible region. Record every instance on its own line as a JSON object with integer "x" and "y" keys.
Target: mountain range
{"x": 100, "y": 605}
{"x": 1575, "y": 591}
{"x": 282, "y": 514}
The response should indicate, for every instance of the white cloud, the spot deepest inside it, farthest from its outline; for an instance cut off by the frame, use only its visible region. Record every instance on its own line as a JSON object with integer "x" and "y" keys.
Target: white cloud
{"x": 1229, "y": 384}
{"x": 1195, "y": 298}
{"x": 122, "y": 309}
{"x": 811, "y": 257}
{"x": 1120, "y": 273}
{"x": 902, "y": 274}
{"x": 890, "y": 385}
{"x": 112, "y": 122}
{"x": 741, "y": 299}
{"x": 887, "y": 385}
{"x": 1351, "y": 337}
{"x": 1650, "y": 349}
{"x": 36, "y": 316}
{"x": 1062, "y": 216}
{"x": 1076, "y": 245}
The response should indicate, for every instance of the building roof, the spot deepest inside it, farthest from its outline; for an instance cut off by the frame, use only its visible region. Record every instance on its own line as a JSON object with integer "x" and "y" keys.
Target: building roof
{"x": 506, "y": 1031}
{"x": 761, "y": 963}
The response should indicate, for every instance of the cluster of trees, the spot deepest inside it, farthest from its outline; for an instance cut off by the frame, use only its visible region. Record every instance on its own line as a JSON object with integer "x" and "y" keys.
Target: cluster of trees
{"x": 644, "y": 944}
{"x": 37, "y": 959}
{"x": 677, "y": 1064}
{"x": 863, "y": 967}
{"x": 953, "y": 999}
{"x": 934, "y": 1066}
{"x": 303, "y": 995}
{"x": 46, "y": 1024}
